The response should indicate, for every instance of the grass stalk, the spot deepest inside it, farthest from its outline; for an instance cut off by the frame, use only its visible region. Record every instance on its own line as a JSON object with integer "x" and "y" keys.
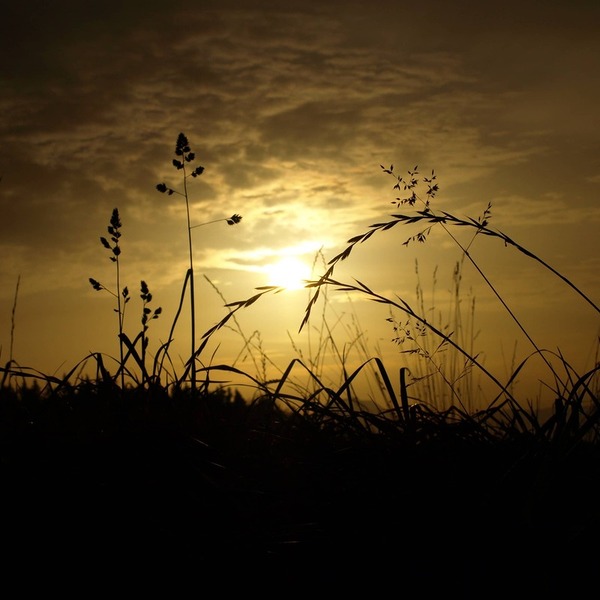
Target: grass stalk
{"x": 12, "y": 320}
{"x": 431, "y": 219}
{"x": 121, "y": 296}
{"x": 184, "y": 156}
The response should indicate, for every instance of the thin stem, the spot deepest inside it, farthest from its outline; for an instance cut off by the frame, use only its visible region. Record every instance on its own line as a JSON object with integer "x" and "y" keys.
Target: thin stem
{"x": 491, "y": 286}
{"x": 523, "y": 250}
{"x": 405, "y": 307}
{"x": 207, "y": 223}
{"x": 192, "y": 295}
{"x": 120, "y": 313}
{"x": 12, "y": 320}
{"x": 185, "y": 155}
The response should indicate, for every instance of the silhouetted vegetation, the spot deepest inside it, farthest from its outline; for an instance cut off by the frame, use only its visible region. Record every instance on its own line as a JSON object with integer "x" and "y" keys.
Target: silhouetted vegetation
{"x": 144, "y": 472}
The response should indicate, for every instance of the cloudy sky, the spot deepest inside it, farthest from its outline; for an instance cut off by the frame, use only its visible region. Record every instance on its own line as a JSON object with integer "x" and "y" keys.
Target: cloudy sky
{"x": 291, "y": 108}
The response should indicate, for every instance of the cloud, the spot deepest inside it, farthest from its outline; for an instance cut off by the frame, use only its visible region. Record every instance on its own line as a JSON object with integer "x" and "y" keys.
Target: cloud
{"x": 291, "y": 108}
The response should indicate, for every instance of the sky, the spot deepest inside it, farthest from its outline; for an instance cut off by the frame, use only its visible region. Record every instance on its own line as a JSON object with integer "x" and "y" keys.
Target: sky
{"x": 292, "y": 109}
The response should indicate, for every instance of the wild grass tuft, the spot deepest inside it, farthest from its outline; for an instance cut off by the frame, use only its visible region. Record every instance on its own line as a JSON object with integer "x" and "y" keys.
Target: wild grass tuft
{"x": 182, "y": 162}
{"x": 121, "y": 295}
{"x": 299, "y": 469}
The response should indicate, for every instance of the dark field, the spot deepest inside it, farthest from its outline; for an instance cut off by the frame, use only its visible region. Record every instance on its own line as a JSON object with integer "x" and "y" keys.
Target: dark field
{"x": 171, "y": 495}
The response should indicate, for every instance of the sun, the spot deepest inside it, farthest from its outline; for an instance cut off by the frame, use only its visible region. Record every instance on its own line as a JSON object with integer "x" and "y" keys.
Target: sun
{"x": 289, "y": 273}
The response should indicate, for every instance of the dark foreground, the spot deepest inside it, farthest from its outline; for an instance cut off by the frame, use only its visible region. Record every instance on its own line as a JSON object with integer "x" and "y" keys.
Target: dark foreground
{"x": 171, "y": 498}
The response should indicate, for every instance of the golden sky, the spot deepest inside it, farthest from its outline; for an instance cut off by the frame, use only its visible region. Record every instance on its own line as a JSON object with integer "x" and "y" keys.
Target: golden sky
{"x": 292, "y": 108}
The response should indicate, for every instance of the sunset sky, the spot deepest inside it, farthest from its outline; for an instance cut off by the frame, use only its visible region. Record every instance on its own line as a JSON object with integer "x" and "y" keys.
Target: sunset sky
{"x": 291, "y": 108}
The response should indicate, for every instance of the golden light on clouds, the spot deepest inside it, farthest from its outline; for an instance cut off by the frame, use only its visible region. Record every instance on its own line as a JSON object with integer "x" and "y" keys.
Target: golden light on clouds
{"x": 292, "y": 123}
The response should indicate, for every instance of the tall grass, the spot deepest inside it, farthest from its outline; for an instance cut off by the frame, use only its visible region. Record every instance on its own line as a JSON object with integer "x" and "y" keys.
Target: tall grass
{"x": 298, "y": 479}
{"x": 121, "y": 295}
{"x": 185, "y": 156}
{"x": 440, "y": 376}
{"x": 446, "y": 221}
{"x": 575, "y": 394}
{"x": 442, "y": 385}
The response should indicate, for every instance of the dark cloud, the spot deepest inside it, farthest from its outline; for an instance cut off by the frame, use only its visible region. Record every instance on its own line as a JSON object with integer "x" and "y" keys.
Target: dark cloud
{"x": 291, "y": 108}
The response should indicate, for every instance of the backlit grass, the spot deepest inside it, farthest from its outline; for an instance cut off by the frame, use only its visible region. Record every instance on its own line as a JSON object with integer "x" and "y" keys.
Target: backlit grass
{"x": 157, "y": 470}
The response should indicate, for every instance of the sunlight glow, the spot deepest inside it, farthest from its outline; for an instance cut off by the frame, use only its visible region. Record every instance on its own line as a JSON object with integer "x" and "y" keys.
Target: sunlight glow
{"x": 289, "y": 272}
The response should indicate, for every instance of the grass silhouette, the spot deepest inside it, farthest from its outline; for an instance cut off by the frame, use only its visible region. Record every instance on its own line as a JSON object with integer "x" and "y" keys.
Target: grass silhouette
{"x": 152, "y": 477}
{"x": 185, "y": 156}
